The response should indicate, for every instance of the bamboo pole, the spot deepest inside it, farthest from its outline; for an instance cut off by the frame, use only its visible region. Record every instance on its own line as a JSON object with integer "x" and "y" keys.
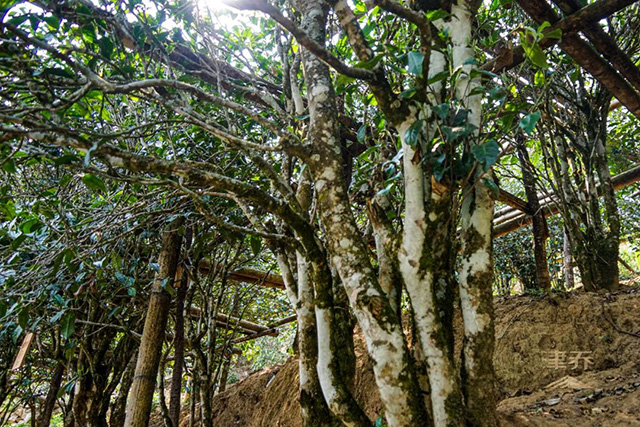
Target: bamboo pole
{"x": 551, "y": 207}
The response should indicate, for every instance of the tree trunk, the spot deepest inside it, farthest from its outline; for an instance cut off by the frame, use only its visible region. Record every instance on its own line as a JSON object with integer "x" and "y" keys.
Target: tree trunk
{"x": 91, "y": 387}
{"x": 314, "y": 408}
{"x": 222, "y": 384}
{"x": 162, "y": 398}
{"x": 116, "y": 419}
{"x": 50, "y": 401}
{"x": 540, "y": 230}
{"x": 610, "y": 275}
{"x": 476, "y": 300}
{"x": 423, "y": 263}
{"x": 142, "y": 389}
{"x": 567, "y": 262}
{"x": 476, "y": 266}
{"x": 597, "y": 260}
{"x": 178, "y": 364}
{"x": 381, "y": 326}
{"x": 336, "y": 360}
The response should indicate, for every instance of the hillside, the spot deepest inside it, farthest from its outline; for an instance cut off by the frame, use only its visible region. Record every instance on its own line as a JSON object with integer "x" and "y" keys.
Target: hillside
{"x": 533, "y": 336}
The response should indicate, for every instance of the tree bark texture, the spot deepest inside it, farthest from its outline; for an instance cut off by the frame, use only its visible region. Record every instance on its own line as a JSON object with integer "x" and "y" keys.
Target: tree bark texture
{"x": 476, "y": 266}
{"x": 118, "y": 407}
{"x": 380, "y": 324}
{"x": 50, "y": 401}
{"x": 581, "y": 173}
{"x": 178, "y": 363}
{"x": 540, "y": 230}
{"x": 142, "y": 389}
{"x": 178, "y": 346}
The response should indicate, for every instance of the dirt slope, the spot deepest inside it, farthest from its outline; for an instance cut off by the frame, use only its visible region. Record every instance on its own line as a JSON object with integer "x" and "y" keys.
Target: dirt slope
{"x": 543, "y": 345}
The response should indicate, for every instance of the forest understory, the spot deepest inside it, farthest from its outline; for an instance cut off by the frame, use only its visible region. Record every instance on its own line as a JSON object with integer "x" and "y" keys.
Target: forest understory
{"x": 532, "y": 334}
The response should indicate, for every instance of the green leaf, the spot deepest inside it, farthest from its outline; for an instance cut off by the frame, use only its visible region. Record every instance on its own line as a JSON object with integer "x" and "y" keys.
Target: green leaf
{"x": 544, "y": 26}
{"x": 69, "y": 258}
{"x": 537, "y": 56}
{"x": 68, "y": 326}
{"x": 31, "y": 225}
{"x": 16, "y": 20}
{"x": 442, "y": 110}
{"x": 256, "y": 244}
{"x": 415, "y": 63}
{"x": 64, "y": 180}
{"x": 554, "y": 34}
{"x": 487, "y": 153}
{"x": 497, "y": 94}
{"x": 362, "y": 133}
{"x": 439, "y": 168}
{"x": 471, "y": 61}
{"x": 412, "y": 135}
{"x": 106, "y": 47}
{"x": 9, "y": 166}
{"x": 408, "y": 93}
{"x": 478, "y": 90}
{"x": 434, "y": 15}
{"x": 57, "y": 316}
{"x": 528, "y": 122}
{"x": 460, "y": 116}
{"x": 492, "y": 187}
{"x": 478, "y": 72}
{"x": 457, "y": 133}
{"x": 368, "y": 65}
{"x": 343, "y": 81}
{"x": 94, "y": 183}
{"x": 7, "y": 4}
{"x": 15, "y": 244}
{"x": 60, "y": 72}
{"x": 442, "y": 75}
{"x": 66, "y": 159}
{"x": 16, "y": 334}
{"x": 23, "y": 318}
{"x": 539, "y": 78}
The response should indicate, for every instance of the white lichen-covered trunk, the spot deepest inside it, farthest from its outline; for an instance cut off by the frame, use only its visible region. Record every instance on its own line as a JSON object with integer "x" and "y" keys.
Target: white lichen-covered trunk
{"x": 331, "y": 355}
{"x": 305, "y": 314}
{"x": 417, "y": 268}
{"x": 476, "y": 267}
{"x": 476, "y": 301}
{"x": 378, "y": 320}
{"x": 314, "y": 411}
{"x": 380, "y": 324}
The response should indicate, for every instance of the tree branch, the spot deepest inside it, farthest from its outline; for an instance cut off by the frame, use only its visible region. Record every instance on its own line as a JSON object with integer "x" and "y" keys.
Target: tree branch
{"x": 303, "y": 38}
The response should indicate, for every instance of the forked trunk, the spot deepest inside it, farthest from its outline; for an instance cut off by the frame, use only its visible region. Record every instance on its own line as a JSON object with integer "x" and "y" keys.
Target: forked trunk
{"x": 421, "y": 262}
{"x": 380, "y": 324}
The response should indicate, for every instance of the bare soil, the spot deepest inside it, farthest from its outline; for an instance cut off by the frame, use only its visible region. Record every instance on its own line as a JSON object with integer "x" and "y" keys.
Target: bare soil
{"x": 561, "y": 359}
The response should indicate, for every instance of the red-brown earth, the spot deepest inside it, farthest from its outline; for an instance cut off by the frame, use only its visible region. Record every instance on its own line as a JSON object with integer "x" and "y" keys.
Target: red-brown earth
{"x": 542, "y": 347}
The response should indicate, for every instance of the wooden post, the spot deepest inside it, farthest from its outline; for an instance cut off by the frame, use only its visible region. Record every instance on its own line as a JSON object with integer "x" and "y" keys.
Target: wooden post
{"x": 142, "y": 389}
{"x": 22, "y": 353}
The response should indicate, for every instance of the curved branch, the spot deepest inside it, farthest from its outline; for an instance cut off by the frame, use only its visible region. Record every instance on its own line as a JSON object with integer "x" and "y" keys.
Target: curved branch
{"x": 190, "y": 171}
{"x": 303, "y": 38}
{"x": 393, "y": 107}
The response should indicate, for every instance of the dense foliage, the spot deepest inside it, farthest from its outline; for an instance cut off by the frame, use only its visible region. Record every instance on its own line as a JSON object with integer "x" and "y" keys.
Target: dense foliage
{"x": 124, "y": 121}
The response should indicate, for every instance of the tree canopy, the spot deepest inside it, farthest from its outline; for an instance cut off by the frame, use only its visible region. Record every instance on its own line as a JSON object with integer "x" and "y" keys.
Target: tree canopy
{"x": 178, "y": 175}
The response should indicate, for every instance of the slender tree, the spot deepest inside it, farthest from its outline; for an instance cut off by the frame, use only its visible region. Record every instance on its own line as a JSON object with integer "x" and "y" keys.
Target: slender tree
{"x": 143, "y": 386}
